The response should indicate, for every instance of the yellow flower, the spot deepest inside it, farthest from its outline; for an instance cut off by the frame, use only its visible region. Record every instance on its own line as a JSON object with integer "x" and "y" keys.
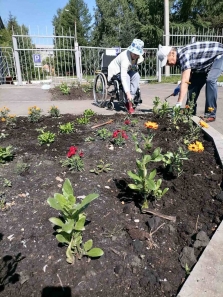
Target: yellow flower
{"x": 203, "y": 124}
{"x": 151, "y": 125}
{"x": 3, "y": 119}
{"x": 196, "y": 147}
{"x": 210, "y": 109}
{"x": 37, "y": 108}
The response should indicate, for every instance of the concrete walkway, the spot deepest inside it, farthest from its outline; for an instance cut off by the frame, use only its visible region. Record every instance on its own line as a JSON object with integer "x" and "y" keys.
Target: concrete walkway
{"x": 206, "y": 279}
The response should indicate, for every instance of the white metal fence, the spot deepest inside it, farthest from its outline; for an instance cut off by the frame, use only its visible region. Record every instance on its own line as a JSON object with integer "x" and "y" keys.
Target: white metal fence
{"x": 62, "y": 60}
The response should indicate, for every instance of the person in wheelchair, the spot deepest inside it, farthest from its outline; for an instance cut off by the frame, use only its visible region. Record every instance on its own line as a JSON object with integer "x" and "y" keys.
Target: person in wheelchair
{"x": 125, "y": 67}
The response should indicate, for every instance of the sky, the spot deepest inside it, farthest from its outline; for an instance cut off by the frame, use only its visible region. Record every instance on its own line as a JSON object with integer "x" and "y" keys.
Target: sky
{"x": 37, "y": 15}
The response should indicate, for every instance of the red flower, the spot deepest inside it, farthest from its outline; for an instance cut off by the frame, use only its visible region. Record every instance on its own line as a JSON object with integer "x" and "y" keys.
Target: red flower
{"x": 124, "y": 135}
{"x": 115, "y": 134}
{"x": 81, "y": 154}
{"x": 72, "y": 151}
{"x": 127, "y": 122}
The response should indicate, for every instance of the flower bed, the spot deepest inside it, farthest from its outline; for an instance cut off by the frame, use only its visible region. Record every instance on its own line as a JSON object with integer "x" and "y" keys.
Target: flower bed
{"x": 141, "y": 251}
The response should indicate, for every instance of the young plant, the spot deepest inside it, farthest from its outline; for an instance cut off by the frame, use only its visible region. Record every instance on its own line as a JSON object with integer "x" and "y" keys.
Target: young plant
{"x": 21, "y": 167}
{"x": 89, "y": 139}
{"x": 193, "y": 133}
{"x": 3, "y": 135}
{"x": 11, "y": 120}
{"x": 101, "y": 168}
{"x": 176, "y": 116}
{"x": 6, "y": 154}
{"x": 174, "y": 161}
{"x": 74, "y": 160}
{"x": 83, "y": 120}
{"x": 7, "y": 183}
{"x": 164, "y": 109}
{"x": 104, "y": 133}
{"x": 46, "y": 137}
{"x": 54, "y": 112}
{"x": 71, "y": 223}
{"x": 64, "y": 89}
{"x": 34, "y": 114}
{"x": 144, "y": 182}
{"x": 67, "y": 128}
{"x": 4, "y": 112}
{"x": 119, "y": 137}
{"x": 87, "y": 87}
{"x": 156, "y": 104}
{"x": 88, "y": 113}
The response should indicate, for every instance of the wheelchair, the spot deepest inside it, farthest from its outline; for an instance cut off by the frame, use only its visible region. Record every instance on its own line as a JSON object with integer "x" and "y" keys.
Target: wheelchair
{"x": 106, "y": 92}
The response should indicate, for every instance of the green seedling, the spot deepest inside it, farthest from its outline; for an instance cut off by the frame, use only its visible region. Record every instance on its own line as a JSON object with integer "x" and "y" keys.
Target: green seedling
{"x": 156, "y": 104}
{"x": 67, "y": 128}
{"x": 144, "y": 182}
{"x": 101, "y": 168}
{"x": 83, "y": 120}
{"x": 46, "y": 138}
{"x": 174, "y": 161}
{"x": 7, "y": 183}
{"x": 6, "y": 154}
{"x": 104, "y": 133}
{"x": 74, "y": 163}
{"x": 71, "y": 223}
{"x": 54, "y": 112}
{"x": 64, "y": 89}
{"x": 89, "y": 139}
{"x": 88, "y": 113}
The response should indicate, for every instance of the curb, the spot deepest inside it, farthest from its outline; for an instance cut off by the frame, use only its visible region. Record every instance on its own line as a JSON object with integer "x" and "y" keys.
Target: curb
{"x": 205, "y": 280}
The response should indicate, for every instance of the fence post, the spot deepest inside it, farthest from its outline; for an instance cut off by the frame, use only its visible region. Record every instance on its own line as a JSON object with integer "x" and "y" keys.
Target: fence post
{"x": 158, "y": 67}
{"x": 77, "y": 60}
{"x": 17, "y": 61}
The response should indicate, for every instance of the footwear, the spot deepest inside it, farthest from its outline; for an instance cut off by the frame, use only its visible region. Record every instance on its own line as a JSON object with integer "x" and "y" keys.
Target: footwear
{"x": 209, "y": 120}
{"x": 129, "y": 107}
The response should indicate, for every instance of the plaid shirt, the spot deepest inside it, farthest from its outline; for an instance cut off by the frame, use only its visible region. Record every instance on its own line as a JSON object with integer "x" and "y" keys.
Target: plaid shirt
{"x": 199, "y": 56}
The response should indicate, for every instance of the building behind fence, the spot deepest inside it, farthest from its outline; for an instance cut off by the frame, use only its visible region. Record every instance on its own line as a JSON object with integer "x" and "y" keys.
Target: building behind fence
{"x": 56, "y": 59}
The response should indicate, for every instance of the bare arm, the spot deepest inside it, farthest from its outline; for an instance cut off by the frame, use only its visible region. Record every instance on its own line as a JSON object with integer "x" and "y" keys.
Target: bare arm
{"x": 185, "y": 78}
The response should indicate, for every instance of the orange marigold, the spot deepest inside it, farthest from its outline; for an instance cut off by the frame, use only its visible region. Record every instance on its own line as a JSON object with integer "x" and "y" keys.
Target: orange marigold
{"x": 151, "y": 125}
{"x": 187, "y": 106}
{"x": 210, "y": 109}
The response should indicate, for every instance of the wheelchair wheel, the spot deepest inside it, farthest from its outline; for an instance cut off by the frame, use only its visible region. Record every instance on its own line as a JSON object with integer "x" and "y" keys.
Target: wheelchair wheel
{"x": 110, "y": 105}
{"x": 100, "y": 89}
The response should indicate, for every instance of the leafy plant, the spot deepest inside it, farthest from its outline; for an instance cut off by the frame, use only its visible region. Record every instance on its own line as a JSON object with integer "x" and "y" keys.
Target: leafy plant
{"x": 74, "y": 160}
{"x": 88, "y": 113}
{"x": 104, "y": 133}
{"x": 174, "y": 161}
{"x": 144, "y": 182}
{"x": 4, "y": 112}
{"x": 64, "y": 89}
{"x": 83, "y": 120}
{"x": 164, "y": 109}
{"x": 101, "y": 168}
{"x": 156, "y": 104}
{"x": 67, "y": 128}
{"x": 71, "y": 224}
{"x": 7, "y": 183}
{"x": 54, "y": 112}
{"x": 6, "y": 154}
{"x": 34, "y": 114}
{"x": 193, "y": 133}
{"x": 87, "y": 87}
{"x": 3, "y": 135}
{"x": 176, "y": 116}
{"x": 46, "y": 137}
{"x": 89, "y": 139}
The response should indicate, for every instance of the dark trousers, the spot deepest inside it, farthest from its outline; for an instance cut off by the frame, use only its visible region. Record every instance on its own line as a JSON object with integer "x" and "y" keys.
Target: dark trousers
{"x": 198, "y": 80}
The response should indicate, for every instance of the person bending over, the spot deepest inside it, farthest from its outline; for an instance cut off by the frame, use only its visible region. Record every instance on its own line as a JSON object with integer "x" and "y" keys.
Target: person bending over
{"x": 126, "y": 64}
{"x": 200, "y": 63}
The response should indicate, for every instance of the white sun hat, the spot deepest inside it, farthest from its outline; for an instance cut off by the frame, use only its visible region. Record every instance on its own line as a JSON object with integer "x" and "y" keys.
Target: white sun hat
{"x": 162, "y": 54}
{"x": 137, "y": 47}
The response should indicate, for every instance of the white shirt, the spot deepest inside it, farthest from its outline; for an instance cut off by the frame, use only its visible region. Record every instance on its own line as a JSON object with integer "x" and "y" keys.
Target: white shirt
{"x": 122, "y": 64}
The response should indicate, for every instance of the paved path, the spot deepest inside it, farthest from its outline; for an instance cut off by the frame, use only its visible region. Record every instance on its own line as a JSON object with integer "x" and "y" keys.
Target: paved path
{"x": 19, "y": 98}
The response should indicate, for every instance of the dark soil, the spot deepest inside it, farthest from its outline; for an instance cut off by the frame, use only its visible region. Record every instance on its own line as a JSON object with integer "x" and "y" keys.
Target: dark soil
{"x": 76, "y": 93}
{"x": 32, "y": 262}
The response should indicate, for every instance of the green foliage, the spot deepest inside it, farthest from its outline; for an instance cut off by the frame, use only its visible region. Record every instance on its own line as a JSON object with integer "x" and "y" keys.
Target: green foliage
{"x": 7, "y": 183}
{"x": 46, "y": 137}
{"x": 72, "y": 223}
{"x": 64, "y": 89}
{"x": 88, "y": 112}
{"x": 3, "y": 135}
{"x": 144, "y": 182}
{"x": 4, "y": 112}
{"x": 74, "y": 163}
{"x": 54, "y": 112}
{"x": 34, "y": 114}
{"x": 164, "y": 109}
{"x": 193, "y": 133}
{"x": 104, "y": 133}
{"x": 88, "y": 87}
{"x": 89, "y": 139}
{"x": 6, "y": 154}
{"x": 173, "y": 161}
{"x": 67, "y": 128}
{"x": 101, "y": 168}
{"x": 83, "y": 120}
{"x": 156, "y": 104}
